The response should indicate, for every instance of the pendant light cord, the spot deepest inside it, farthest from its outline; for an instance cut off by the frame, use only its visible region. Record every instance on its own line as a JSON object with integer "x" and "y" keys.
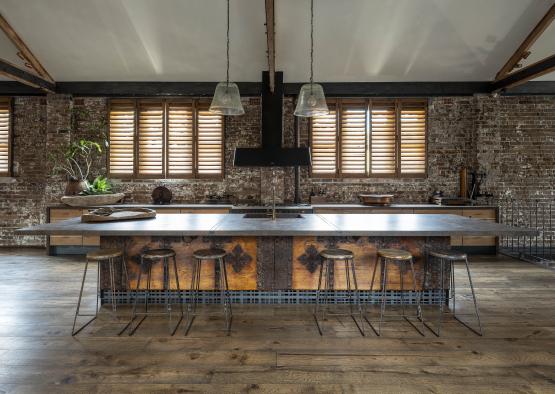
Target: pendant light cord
{"x": 311, "y": 42}
{"x": 227, "y": 48}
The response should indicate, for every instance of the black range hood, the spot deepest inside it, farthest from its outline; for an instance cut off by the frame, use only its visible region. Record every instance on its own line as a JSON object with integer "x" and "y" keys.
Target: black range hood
{"x": 272, "y": 154}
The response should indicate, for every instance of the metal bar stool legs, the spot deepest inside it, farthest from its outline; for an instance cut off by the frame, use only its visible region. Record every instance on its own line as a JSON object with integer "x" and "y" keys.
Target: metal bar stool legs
{"x": 148, "y": 259}
{"x": 448, "y": 259}
{"x": 199, "y": 256}
{"x": 77, "y": 311}
{"x": 385, "y": 257}
{"x": 329, "y": 256}
{"x": 101, "y": 256}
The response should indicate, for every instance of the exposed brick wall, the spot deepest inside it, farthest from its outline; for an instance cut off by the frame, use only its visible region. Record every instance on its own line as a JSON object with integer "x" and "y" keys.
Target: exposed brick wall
{"x": 516, "y": 146}
{"x": 511, "y": 138}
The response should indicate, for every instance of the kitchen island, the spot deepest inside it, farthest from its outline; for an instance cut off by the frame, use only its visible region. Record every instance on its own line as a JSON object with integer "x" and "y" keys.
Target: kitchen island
{"x": 276, "y": 260}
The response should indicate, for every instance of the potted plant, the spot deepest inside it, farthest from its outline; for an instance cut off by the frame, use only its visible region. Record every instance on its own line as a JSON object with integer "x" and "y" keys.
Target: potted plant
{"x": 75, "y": 161}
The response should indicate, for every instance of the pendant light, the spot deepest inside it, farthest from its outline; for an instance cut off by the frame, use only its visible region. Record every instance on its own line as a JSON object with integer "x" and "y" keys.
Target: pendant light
{"x": 227, "y": 100}
{"x": 311, "y": 101}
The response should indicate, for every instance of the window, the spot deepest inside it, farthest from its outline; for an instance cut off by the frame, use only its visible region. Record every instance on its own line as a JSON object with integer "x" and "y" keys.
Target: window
{"x": 370, "y": 138}
{"x": 5, "y": 137}
{"x": 155, "y": 138}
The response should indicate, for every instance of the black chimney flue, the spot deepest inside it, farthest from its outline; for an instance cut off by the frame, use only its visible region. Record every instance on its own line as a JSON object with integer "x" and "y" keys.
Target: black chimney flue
{"x": 271, "y": 154}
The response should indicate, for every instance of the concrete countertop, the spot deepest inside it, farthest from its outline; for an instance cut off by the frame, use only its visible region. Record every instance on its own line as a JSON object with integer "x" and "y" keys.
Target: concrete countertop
{"x": 403, "y": 206}
{"x": 394, "y": 225}
{"x": 285, "y": 207}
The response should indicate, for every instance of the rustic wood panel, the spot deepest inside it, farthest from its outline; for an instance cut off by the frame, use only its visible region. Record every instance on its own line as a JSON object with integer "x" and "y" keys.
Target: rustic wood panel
{"x": 240, "y": 262}
{"x": 306, "y": 259}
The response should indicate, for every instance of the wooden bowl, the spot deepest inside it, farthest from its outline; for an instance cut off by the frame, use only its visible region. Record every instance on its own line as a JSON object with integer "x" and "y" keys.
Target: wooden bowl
{"x": 376, "y": 199}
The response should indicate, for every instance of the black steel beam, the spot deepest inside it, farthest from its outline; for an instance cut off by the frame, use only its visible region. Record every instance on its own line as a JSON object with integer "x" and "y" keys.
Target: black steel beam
{"x": 25, "y": 77}
{"x": 148, "y": 89}
{"x": 13, "y": 88}
{"x": 396, "y": 89}
{"x": 254, "y": 89}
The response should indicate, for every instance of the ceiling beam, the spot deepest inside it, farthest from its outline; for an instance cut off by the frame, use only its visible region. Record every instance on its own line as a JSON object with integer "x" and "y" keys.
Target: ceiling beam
{"x": 13, "y": 72}
{"x": 523, "y": 50}
{"x": 525, "y": 74}
{"x": 151, "y": 89}
{"x": 271, "y": 40}
{"x": 24, "y": 51}
{"x": 253, "y": 89}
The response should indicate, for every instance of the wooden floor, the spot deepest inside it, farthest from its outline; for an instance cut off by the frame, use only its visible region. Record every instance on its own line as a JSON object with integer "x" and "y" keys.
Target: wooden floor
{"x": 272, "y": 349}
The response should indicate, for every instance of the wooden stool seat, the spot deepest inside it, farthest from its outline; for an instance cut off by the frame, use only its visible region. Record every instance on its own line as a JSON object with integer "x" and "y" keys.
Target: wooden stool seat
{"x": 448, "y": 254}
{"x": 209, "y": 254}
{"x": 394, "y": 254}
{"x": 155, "y": 254}
{"x": 104, "y": 254}
{"x": 336, "y": 254}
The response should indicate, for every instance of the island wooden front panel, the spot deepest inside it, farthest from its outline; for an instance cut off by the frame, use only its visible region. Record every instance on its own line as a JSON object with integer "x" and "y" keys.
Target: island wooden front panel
{"x": 272, "y": 263}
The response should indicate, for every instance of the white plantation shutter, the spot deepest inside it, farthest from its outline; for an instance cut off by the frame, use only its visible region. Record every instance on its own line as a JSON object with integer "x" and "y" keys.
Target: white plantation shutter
{"x": 323, "y": 144}
{"x": 383, "y": 139}
{"x": 179, "y": 142}
{"x": 5, "y": 137}
{"x": 210, "y": 138}
{"x": 121, "y": 155}
{"x": 150, "y": 141}
{"x": 413, "y": 138}
{"x": 354, "y": 131}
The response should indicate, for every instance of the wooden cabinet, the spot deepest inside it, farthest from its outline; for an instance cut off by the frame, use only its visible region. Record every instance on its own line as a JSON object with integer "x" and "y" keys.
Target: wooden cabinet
{"x": 362, "y": 210}
{"x": 205, "y": 210}
{"x": 163, "y": 211}
{"x": 489, "y": 214}
{"x": 59, "y": 214}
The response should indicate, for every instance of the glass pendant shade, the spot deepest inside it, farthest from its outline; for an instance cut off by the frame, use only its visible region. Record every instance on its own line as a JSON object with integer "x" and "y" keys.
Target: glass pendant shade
{"x": 312, "y": 101}
{"x": 227, "y": 100}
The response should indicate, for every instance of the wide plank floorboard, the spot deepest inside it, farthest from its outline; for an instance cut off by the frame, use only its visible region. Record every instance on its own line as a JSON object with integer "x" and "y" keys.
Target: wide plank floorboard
{"x": 273, "y": 349}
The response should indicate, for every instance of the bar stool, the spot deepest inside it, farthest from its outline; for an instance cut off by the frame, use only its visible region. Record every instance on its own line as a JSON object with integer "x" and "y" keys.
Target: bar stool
{"x": 107, "y": 256}
{"x": 328, "y": 259}
{"x": 148, "y": 259}
{"x": 401, "y": 258}
{"x": 447, "y": 257}
{"x": 200, "y": 256}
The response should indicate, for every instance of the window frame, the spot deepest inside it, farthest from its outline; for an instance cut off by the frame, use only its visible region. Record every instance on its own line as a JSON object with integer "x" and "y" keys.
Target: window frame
{"x": 196, "y": 103}
{"x": 337, "y": 103}
{"x": 10, "y": 104}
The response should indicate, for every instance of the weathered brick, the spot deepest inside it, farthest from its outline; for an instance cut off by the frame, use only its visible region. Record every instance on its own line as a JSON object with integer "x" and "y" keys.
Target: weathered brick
{"x": 511, "y": 139}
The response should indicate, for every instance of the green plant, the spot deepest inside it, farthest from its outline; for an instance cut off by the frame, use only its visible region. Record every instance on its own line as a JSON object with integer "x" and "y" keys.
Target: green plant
{"x": 100, "y": 185}
{"x": 76, "y": 159}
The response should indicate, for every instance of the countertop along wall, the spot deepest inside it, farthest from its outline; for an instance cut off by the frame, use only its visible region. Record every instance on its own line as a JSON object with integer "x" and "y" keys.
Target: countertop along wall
{"x": 511, "y": 138}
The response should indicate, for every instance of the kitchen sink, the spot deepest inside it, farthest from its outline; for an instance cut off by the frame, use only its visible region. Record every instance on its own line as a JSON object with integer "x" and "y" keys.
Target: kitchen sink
{"x": 268, "y": 215}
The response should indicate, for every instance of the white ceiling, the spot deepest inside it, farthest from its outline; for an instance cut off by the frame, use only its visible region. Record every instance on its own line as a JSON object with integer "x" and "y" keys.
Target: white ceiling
{"x": 355, "y": 40}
